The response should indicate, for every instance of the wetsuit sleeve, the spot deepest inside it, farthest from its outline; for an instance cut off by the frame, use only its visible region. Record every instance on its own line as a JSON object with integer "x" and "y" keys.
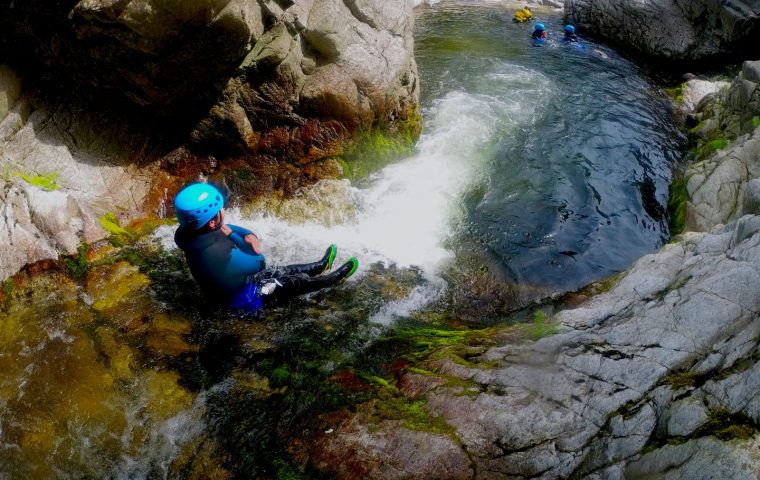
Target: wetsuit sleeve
{"x": 238, "y": 238}
{"x": 242, "y": 231}
{"x": 242, "y": 263}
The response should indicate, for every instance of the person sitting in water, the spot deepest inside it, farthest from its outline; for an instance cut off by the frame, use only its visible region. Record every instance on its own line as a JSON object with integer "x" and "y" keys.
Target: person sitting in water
{"x": 539, "y": 33}
{"x": 523, "y": 15}
{"x": 226, "y": 260}
{"x": 570, "y": 35}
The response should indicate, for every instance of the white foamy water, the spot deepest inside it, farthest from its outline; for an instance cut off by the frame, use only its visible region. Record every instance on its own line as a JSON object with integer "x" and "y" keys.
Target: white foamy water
{"x": 405, "y": 212}
{"x": 164, "y": 442}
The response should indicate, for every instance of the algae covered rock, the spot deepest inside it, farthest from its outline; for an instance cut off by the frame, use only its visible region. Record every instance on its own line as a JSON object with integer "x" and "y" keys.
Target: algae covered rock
{"x": 77, "y": 398}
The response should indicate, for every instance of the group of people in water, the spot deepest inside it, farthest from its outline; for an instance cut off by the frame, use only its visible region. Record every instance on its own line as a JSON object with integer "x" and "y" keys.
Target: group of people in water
{"x": 539, "y": 31}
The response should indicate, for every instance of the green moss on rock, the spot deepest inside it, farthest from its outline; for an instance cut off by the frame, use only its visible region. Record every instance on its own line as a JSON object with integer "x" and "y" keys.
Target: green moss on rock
{"x": 728, "y": 426}
{"x": 540, "y": 327}
{"x": 413, "y": 414}
{"x": 375, "y": 147}
{"x": 678, "y": 199}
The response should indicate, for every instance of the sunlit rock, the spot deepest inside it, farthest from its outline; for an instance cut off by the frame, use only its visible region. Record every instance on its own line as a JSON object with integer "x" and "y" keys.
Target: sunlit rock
{"x": 719, "y": 184}
{"x": 598, "y": 395}
{"x": 699, "y": 458}
{"x": 64, "y": 167}
{"x": 695, "y": 90}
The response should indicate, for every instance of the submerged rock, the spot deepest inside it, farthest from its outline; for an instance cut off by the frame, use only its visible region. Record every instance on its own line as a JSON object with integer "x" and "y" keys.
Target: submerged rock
{"x": 78, "y": 398}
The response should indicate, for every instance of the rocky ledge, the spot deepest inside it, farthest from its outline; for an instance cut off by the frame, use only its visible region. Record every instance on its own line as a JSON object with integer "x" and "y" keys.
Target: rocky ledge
{"x": 655, "y": 374}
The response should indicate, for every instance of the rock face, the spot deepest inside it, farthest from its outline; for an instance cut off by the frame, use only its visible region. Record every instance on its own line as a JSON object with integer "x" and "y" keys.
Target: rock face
{"x": 62, "y": 169}
{"x": 672, "y": 29}
{"x": 275, "y": 64}
{"x": 719, "y": 186}
{"x": 274, "y": 89}
{"x": 643, "y": 379}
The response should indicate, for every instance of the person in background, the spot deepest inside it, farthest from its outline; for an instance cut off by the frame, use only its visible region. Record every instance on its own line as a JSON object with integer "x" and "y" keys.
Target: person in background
{"x": 227, "y": 261}
{"x": 570, "y": 35}
{"x": 523, "y": 15}
{"x": 539, "y": 32}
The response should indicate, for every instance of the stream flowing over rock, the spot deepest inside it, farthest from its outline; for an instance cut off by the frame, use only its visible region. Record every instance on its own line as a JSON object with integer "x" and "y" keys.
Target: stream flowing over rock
{"x": 672, "y": 29}
{"x": 272, "y": 89}
{"x": 655, "y": 378}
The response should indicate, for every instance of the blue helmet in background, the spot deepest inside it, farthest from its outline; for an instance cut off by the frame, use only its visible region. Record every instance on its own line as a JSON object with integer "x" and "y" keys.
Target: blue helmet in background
{"x": 569, "y": 29}
{"x": 196, "y": 204}
{"x": 540, "y": 26}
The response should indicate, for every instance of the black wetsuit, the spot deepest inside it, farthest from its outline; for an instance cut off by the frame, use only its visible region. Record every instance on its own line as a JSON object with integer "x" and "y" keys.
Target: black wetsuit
{"x": 570, "y": 37}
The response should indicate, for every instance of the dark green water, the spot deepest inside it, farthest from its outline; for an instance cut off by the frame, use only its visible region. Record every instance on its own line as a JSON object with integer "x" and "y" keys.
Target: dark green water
{"x": 573, "y": 184}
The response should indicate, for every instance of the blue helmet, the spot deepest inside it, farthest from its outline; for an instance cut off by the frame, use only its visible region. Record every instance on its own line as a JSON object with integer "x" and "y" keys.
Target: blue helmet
{"x": 196, "y": 204}
{"x": 569, "y": 29}
{"x": 540, "y": 26}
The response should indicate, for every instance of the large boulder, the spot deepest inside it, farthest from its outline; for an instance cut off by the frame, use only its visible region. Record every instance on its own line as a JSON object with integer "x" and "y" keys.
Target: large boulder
{"x": 656, "y": 378}
{"x": 717, "y": 186}
{"x": 274, "y": 63}
{"x": 125, "y": 100}
{"x": 684, "y": 30}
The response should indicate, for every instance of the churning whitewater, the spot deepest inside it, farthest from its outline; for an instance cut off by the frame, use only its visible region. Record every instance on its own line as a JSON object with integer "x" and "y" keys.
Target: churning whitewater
{"x": 405, "y": 213}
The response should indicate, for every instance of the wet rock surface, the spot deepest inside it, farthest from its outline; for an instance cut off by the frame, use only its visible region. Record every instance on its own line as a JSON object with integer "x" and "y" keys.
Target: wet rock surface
{"x": 655, "y": 375}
